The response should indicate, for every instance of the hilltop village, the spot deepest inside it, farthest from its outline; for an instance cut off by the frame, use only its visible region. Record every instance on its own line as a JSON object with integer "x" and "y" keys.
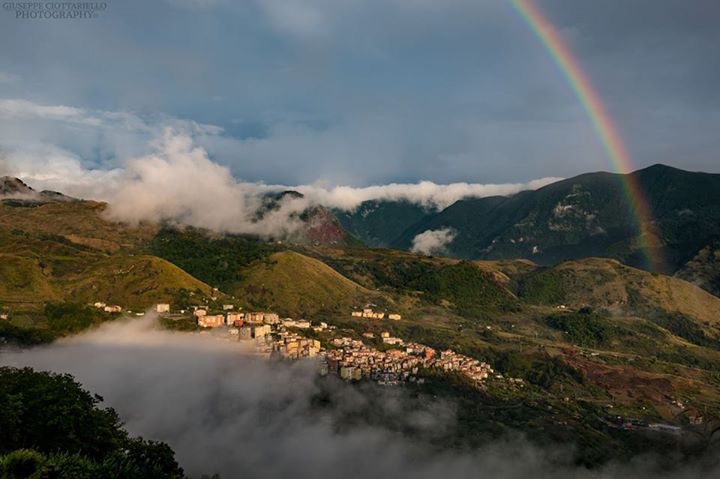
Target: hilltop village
{"x": 384, "y": 359}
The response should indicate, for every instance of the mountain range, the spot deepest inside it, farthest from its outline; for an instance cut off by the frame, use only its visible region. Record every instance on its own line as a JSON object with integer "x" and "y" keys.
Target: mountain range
{"x": 586, "y": 334}
{"x": 585, "y": 216}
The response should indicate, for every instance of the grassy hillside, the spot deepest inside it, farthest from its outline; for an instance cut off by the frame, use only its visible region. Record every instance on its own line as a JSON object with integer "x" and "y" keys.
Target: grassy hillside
{"x": 22, "y": 280}
{"x": 604, "y": 283}
{"x": 295, "y": 284}
{"x": 215, "y": 259}
{"x": 81, "y": 222}
{"x": 704, "y": 269}
{"x": 460, "y": 287}
{"x": 138, "y": 281}
{"x": 37, "y": 267}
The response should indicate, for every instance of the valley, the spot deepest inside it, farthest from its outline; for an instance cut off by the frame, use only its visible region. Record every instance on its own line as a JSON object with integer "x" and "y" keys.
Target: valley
{"x": 602, "y": 349}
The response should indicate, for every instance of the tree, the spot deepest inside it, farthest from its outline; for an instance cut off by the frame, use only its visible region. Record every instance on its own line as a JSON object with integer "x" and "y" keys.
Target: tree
{"x": 52, "y": 428}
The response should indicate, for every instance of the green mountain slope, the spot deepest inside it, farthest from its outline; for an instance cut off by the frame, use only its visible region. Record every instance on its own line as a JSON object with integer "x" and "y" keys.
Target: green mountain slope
{"x": 377, "y": 223}
{"x": 36, "y": 268}
{"x": 138, "y": 281}
{"x": 80, "y": 222}
{"x": 586, "y": 216}
{"x": 295, "y": 284}
{"x": 704, "y": 269}
{"x": 605, "y": 283}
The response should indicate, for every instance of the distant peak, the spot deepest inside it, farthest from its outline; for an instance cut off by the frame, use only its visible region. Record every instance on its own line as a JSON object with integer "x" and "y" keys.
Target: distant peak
{"x": 15, "y": 188}
{"x": 659, "y": 167}
{"x": 10, "y": 185}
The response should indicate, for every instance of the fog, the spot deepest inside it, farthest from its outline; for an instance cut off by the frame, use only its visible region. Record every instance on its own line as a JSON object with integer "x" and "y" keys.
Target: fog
{"x": 224, "y": 410}
{"x": 433, "y": 241}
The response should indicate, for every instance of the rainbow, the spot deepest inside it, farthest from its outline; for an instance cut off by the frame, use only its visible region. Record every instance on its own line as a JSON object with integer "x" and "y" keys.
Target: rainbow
{"x": 602, "y": 123}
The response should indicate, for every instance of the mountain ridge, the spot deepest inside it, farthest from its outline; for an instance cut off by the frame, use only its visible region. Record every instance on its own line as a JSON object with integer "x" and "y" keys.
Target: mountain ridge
{"x": 587, "y": 215}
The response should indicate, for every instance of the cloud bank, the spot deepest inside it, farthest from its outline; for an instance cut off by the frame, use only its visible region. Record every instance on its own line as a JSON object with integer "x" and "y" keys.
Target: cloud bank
{"x": 223, "y": 410}
{"x": 433, "y": 241}
{"x": 168, "y": 169}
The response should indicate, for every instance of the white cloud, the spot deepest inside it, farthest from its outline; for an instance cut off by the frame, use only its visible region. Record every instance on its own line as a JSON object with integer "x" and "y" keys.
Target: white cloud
{"x": 433, "y": 241}
{"x": 17, "y": 109}
{"x": 178, "y": 182}
{"x": 164, "y": 168}
{"x": 425, "y": 193}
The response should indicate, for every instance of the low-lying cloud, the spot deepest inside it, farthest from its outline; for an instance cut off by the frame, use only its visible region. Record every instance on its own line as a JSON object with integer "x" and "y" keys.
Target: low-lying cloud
{"x": 224, "y": 410}
{"x": 179, "y": 182}
{"x": 165, "y": 168}
{"x": 433, "y": 241}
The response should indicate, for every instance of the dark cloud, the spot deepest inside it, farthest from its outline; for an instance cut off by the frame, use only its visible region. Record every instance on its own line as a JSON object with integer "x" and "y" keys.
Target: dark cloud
{"x": 360, "y": 92}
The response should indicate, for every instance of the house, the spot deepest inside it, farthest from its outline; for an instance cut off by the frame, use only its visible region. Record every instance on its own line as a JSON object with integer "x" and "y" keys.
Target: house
{"x": 254, "y": 318}
{"x": 228, "y": 307}
{"x": 321, "y": 327}
{"x": 349, "y": 373}
{"x": 394, "y": 317}
{"x": 292, "y": 323}
{"x": 261, "y": 331}
{"x": 234, "y": 319}
{"x": 357, "y": 314}
{"x": 254, "y": 332}
{"x": 200, "y": 312}
{"x": 211, "y": 320}
{"x": 99, "y": 305}
{"x": 162, "y": 308}
{"x": 113, "y": 309}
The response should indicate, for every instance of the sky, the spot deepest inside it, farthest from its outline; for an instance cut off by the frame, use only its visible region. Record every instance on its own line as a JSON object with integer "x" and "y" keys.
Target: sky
{"x": 357, "y": 92}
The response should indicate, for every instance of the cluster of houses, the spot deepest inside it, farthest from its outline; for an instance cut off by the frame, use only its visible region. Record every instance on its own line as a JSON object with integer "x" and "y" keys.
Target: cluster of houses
{"x": 268, "y": 333}
{"x": 349, "y": 359}
{"x": 450, "y": 361}
{"x": 353, "y": 360}
{"x": 227, "y": 318}
{"x": 369, "y": 313}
